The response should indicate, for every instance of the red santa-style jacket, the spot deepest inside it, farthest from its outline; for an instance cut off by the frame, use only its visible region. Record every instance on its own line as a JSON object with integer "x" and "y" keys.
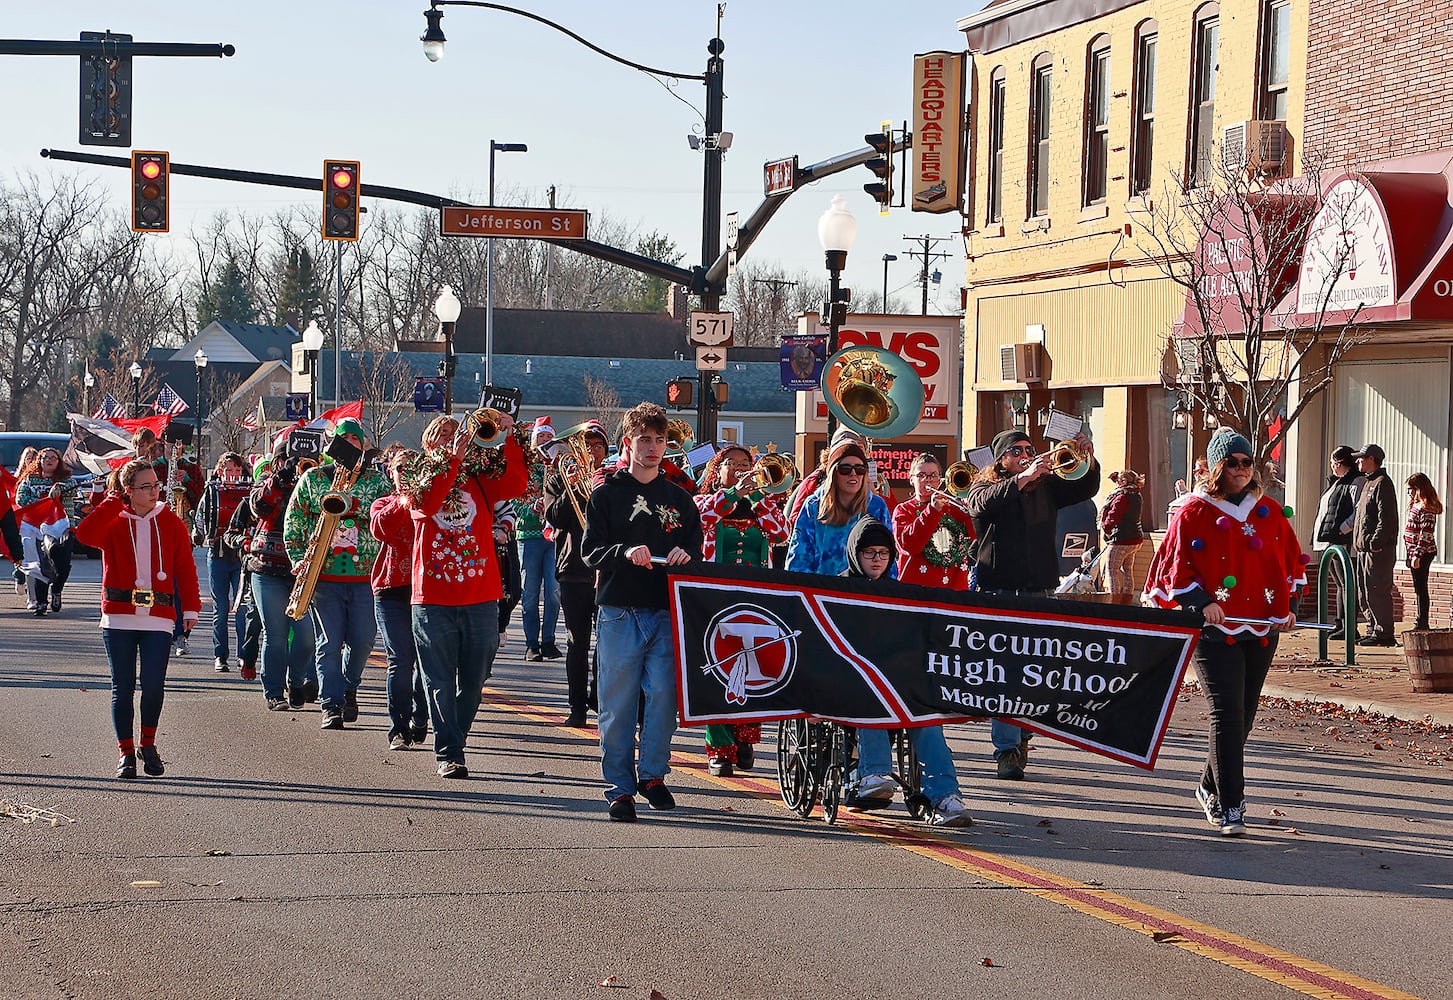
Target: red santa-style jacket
{"x": 1244, "y": 556}
{"x": 915, "y": 522}
{"x": 142, "y": 553}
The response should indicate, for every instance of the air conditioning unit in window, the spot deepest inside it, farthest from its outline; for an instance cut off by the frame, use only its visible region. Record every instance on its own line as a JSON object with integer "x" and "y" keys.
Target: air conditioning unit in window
{"x": 1021, "y": 362}
{"x": 1255, "y": 146}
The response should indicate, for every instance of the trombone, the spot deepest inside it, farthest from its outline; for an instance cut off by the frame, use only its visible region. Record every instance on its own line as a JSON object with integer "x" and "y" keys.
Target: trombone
{"x": 483, "y": 427}
{"x": 957, "y": 479}
{"x": 772, "y": 473}
{"x": 1068, "y": 461}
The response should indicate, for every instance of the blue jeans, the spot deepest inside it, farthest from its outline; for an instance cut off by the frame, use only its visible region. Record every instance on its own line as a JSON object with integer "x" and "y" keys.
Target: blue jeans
{"x": 344, "y": 622}
{"x": 1006, "y": 735}
{"x": 456, "y": 651}
{"x": 537, "y": 560}
{"x": 635, "y": 657}
{"x": 224, "y": 576}
{"x": 408, "y": 706}
{"x": 287, "y": 646}
{"x": 124, "y": 647}
{"x": 940, "y": 780}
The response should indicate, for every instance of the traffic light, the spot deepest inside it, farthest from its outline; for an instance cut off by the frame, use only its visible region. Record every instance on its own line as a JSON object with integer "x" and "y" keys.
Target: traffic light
{"x": 340, "y": 200}
{"x": 106, "y": 92}
{"x": 882, "y": 167}
{"x": 150, "y": 175}
{"x": 681, "y": 393}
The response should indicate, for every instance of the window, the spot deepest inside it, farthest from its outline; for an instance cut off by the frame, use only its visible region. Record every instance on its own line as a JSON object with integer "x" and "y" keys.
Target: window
{"x": 1276, "y": 25}
{"x": 995, "y": 209}
{"x": 1040, "y": 108}
{"x": 1097, "y": 121}
{"x": 1142, "y": 128}
{"x": 1203, "y": 94}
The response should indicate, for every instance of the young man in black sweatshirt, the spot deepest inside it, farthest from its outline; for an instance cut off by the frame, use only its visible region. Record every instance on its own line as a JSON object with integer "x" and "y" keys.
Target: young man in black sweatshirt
{"x": 636, "y": 516}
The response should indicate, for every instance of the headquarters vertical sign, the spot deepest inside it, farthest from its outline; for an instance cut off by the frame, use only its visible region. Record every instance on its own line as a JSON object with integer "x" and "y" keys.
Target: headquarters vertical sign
{"x": 940, "y": 151}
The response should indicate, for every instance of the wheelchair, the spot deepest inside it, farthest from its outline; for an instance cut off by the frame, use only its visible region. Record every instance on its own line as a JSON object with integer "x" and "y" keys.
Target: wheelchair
{"x": 815, "y": 757}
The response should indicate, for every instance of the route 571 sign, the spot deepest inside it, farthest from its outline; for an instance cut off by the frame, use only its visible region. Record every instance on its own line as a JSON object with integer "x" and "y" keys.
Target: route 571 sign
{"x": 710, "y": 329}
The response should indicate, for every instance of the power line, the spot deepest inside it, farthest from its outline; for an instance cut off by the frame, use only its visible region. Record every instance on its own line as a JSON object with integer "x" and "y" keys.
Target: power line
{"x": 928, "y": 255}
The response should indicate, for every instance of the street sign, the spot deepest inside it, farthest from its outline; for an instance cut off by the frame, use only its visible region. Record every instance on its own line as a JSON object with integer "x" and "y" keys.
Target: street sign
{"x": 733, "y": 229}
{"x": 780, "y": 176}
{"x": 711, "y": 359}
{"x": 710, "y": 329}
{"x": 513, "y": 223}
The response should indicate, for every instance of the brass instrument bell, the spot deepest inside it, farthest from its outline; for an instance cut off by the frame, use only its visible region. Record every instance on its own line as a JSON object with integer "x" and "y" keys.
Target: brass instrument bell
{"x": 1068, "y": 461}
{"x": 958, "y": 478}
{"x": 484, "y": 428}
{"x": 772, "y": 473}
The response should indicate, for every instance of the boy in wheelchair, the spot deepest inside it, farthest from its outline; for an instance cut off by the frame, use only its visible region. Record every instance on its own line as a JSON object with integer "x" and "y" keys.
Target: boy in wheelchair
{"x": 872, "y": 553}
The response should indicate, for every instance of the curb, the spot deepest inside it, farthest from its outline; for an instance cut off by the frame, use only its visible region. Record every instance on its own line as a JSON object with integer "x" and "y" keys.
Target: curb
{"x": 1401, "y": 712}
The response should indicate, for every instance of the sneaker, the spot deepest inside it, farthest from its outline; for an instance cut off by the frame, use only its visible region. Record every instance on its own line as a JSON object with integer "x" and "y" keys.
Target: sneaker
{"x": 1008, "y": 765}
{"x": 220, "y": 665}
{"x": 126, "y": 766}
{"x": 350, "y": 706}
{"x": 532, "y": 655}
{"x": 550, "y": 651}
{"x": 183, "y": 648}
{"x": 278, "y": 705}
{"x": 623, "y": 809}
{"x": 398, "y": 741}
{"x": 418, "y": 733}
{"x": 310, "y": 692}
{"x": 453, "y": 769}
{"x": 874, "y": 791}
{"x": 31, "y": 606}
{"x": 151, "y": 762}
{"x": 332, "y": 719}
{"x": 38, "y": 611}
{"x": 746, "y": 756}
{"x": 656, "y": 793}
{"x": 1233, "y": 822}
{"x": 1024, "y": 753}
{"x": 1210, "y": 805}
{"x": 719, "y": 767}
{"x": 950, "y": 811}
{"x": 55, "y": 600}
{"x": 295, "y": 696}
{"x": 248, "y": 671}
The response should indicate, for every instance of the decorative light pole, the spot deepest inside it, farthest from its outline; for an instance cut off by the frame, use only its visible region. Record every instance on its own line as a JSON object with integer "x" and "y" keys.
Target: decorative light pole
{"x": 836, "y": 231}
{"x": 447, "y": 307}
{"x": 312, "y": 348}
{"x": 135, "y": 371}
{"x": 200, "y": 360}
{"x": 494, "y": 147}
{"x": 887, "y": 258}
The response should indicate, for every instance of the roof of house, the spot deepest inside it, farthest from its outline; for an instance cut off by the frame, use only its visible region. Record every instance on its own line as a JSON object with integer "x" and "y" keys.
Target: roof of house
{"x": 569, "y": 333}
{"x": 263, "y": 342}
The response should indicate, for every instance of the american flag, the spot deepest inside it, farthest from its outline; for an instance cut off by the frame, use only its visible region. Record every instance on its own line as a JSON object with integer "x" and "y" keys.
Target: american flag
{"x": 109, "y": 409}
{"x": 254, "y": 419}
{"x": 167, "y": 401}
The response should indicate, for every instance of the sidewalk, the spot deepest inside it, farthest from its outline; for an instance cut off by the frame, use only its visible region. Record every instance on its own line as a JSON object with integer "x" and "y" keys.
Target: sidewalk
{"x": 1378, "y": 683}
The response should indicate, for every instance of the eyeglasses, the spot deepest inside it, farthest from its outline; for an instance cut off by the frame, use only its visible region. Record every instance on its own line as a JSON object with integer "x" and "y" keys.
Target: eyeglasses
{"x": 852, "y": 470}
{"x": 928, "y": 475}
{"x": 1022, "y": 449}
{"x": 875, "y": 554}
{"x": 145, "y": 486}
{"x": 1239, "y": 463}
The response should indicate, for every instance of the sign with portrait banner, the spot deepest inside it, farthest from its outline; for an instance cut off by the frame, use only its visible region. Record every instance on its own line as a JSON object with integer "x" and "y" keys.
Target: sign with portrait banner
{"x": 802, "y": 359}
{"x": 756, "y": 646}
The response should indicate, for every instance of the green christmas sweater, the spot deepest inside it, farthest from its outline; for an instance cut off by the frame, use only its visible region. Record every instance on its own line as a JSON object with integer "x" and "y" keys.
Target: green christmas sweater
{"x": 353, "y": 551}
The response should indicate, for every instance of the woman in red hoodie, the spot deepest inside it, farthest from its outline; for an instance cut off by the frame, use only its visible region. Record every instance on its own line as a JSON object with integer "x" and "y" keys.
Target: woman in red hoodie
{"x": 145, "y": 556}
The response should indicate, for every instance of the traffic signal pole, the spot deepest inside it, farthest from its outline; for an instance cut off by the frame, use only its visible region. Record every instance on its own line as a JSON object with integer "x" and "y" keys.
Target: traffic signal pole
{"x": 706, "y": 406}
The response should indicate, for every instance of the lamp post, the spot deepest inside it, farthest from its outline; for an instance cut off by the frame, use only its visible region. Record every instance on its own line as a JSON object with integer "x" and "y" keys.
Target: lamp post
{"x": 433, "y": 39}
{"x": 90, "y": 383}
{"x": 135, "y": 372}
{"x": 836, "y": 231}
{"x": 312, "y": 347}
{"x": 494, "y": 147}
{"x": 887, "y": 258}
{"x": 447, "y": 307}
{"x": 200, "y": 360}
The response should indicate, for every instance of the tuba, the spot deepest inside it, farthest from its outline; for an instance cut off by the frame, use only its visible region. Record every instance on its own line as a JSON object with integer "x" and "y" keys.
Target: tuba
{"x": 873, "y": 391}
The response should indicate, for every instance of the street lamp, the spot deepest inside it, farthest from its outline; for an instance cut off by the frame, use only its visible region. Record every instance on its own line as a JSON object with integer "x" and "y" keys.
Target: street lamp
{"x": 200, "y": 360}
{"x": 494, "y": 147}
{"x": 447, "y": 307}
{"x": 887, "y": 257}
{"x": 135, "y": 371}
{"x": 312, "y": 347}
{"x": 836, "y": 231}
{"x": 90, "y": 382}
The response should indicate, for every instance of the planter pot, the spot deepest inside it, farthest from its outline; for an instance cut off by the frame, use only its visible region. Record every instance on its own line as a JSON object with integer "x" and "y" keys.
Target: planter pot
{"x": 1430, "y": 659}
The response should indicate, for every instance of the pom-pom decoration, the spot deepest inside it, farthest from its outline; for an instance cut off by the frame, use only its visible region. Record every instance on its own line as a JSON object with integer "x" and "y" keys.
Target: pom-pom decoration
{"x": 1230, "y": 581}
{"x": 1288, "y": 511}
{"x": 1254, "y": 543}
{"x": 1197, "y": 544}
{"x": 1262, "y": 510}
{"x": 1223, "y": 522}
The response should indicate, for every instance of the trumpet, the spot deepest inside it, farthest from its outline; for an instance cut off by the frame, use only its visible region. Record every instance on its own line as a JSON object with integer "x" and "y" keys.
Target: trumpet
{"x": 772, "y": 473}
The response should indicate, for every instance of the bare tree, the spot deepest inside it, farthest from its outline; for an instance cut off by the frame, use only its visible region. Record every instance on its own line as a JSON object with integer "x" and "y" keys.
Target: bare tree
{"x": 226, "y": 407}
{"x": 1237, "y": 245}
{"x": 387, "y": 384}
{"x": 605, "y": 405}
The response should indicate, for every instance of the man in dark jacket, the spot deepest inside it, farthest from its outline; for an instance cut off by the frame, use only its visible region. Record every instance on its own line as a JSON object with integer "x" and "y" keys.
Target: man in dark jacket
{"x": 1014, "y": 504}
{"x": 1335, "y": 514}
{"x": 1375, "y": 545}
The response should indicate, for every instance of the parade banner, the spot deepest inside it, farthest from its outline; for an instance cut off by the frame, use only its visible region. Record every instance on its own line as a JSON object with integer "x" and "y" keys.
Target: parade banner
{"x": 759, "y": 645}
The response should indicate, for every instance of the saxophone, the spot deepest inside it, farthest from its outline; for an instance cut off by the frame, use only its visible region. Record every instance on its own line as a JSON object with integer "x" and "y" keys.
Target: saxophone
{"x": 176, "y": 485}
{"x": 334, "y": 505}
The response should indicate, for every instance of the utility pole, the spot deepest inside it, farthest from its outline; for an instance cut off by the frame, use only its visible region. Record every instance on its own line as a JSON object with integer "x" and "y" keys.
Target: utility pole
{"x": 929, "y": 255}
{"x": 776, "y": 284}
{"x": 550, "y": 260}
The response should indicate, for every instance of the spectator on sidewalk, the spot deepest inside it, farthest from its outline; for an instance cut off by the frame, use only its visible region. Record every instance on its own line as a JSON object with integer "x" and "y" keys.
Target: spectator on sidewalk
{"x": 1124, "y": 533}
{"x": 1336, "y": 512}
{"x": 1374, "y": 545}
{"x": 1419, "y": 540}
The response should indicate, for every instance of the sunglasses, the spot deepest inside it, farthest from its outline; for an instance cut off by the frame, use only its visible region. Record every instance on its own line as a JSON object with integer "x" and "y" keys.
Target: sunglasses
{"x": 852, "y": 470}
{"x": 1022, "y": 449}
{"x": 1239, "y": 463}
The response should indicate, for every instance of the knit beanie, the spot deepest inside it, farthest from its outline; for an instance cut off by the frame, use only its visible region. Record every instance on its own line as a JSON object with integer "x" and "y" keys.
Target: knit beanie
{"x": 349, "y": 426}
{"x": 844, "y": 448}
{"x": 1004, "y": 440}
{"x": 1227, "y": 442}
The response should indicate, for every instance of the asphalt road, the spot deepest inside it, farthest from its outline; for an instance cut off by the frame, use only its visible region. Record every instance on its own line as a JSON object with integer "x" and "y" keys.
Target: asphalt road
{"x": 297, "y": 862}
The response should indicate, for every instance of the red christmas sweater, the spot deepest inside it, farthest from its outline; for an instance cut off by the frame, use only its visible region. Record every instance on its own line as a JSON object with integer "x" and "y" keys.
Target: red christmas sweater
{"x": 142, "y": 553}
{"x": 1244, "y": 556}
{"x": 933, "y": 545}
{"x": 453, "y": 562}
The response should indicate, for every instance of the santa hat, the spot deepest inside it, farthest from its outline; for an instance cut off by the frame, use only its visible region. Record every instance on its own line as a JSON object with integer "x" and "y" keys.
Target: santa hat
{"x": 542, "y": 428}
{"x": 598, "y": 429}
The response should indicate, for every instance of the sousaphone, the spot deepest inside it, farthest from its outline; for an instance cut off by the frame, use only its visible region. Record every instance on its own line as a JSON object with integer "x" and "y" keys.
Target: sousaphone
{"x": 873, "y": 391}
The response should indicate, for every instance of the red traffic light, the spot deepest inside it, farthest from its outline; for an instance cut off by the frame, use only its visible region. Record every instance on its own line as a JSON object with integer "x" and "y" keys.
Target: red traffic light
{"x": 340, "y": 200}
{"x": 150, "y": 169}
{"x": 150, "y": 175}
{"x": 343, "y": 178}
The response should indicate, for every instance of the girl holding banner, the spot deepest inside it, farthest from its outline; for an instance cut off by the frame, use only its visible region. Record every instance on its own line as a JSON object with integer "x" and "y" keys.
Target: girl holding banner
{"x": 1230, "y": 553}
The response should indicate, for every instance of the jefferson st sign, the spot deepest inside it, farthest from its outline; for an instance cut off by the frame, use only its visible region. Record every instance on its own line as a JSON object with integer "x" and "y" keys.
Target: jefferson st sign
{"x": 517, "y": 223}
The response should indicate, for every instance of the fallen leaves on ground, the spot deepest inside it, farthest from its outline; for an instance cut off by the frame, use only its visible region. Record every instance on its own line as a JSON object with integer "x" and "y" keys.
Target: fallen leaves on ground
{"x": 27, "y": 813}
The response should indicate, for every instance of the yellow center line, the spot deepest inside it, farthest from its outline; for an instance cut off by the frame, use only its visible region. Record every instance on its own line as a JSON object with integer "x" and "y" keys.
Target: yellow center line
{"x": 1303, "y": 975}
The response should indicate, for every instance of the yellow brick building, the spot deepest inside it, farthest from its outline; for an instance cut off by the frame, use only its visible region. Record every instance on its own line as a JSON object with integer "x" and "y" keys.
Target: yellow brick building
{"x": 1085, "y": 117}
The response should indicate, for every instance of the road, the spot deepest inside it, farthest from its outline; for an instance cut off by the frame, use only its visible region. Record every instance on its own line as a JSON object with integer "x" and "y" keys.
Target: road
{"x": 295, "y": 862}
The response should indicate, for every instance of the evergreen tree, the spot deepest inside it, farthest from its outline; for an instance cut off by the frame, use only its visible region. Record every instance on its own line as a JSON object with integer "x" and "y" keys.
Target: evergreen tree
{"x": 648, "y": 294}
{"x": 300, "y": 298}
{"x": 229, "y": 299}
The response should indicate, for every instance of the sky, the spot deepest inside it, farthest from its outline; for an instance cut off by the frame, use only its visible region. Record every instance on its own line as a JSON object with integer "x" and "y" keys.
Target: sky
{"x": 316, "y": 79}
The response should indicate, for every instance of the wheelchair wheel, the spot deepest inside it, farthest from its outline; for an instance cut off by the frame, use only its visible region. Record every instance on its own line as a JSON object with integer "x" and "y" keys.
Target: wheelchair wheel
{"x": 836, "y": 772}
{"x": 910, "y": 775}
{"x": 797, "y": 773}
